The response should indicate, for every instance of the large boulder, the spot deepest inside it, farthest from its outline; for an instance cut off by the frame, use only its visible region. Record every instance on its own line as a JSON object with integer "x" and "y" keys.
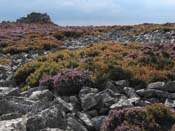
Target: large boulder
{"x": 86, "y": 120}
{"x": 124, "y": 102}
{"x": 44, "y": 95}
{"x": 75, "y": 125}
{"x": 88, "y": 101}
{"x": 168, "y": 87}
{"x": 13, "y": 125}
{"x": 51, "y": 117}
{"x": 149, "y": 93}
{"x": 14, "y": 104}
{"x": 105, "y": 99}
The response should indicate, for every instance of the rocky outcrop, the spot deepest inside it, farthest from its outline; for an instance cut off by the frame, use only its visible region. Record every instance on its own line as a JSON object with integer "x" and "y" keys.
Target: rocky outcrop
{"x": 35, "y": 18}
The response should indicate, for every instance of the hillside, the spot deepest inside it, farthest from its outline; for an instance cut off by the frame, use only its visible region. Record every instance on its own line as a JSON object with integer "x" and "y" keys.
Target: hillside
{"x": 96, "y": 78}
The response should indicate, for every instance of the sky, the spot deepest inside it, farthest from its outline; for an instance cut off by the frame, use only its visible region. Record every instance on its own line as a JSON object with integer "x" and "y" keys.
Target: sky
{"x": 92, "y": 12}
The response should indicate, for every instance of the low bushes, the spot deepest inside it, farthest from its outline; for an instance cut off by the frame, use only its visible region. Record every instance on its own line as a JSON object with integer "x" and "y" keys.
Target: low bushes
{"x": 37, "y": 44}
{"x": 106, "y": 61}
{"x": 67, "y": 82}
{"x": 67, "y": 34}
{"x": 155, "y": 117}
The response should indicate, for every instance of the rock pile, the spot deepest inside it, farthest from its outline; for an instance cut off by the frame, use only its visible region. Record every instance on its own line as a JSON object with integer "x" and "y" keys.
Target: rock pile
{"x": 39, "y": 109}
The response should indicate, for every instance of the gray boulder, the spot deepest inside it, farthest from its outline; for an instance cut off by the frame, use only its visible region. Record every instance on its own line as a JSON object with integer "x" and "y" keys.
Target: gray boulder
{"x": 106, "y": 98}
{"x": 87, "y": 98}
{"x": 13, "y": 125}
{"x": 116, "y": 86}
{"x": 8, "y": 91}
{"x": 44, "y": 95}
{"x": 123, "y": 103}
{"x": 7, "y": 106}
{"x": 75, "y": 125}
{"x": 148, "y": 93}
{"x": 86, "y": 120}
{"x": 88, "y": 101}
{"x": 122, "y": 83}
{"x": 156, "y": 85}
{"x": 170, "y": 103}
{"x": 51, "y": 117}
{"x": 168, "y": 87}
{"x": 86, "y": 90}
{"x": 130, "y": 92}
{"x": 63, "y": 105}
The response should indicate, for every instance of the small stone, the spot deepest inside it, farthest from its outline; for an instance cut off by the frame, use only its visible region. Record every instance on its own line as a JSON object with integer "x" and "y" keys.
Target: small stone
{"x": 123, "y": 83}
{"x": 130, "y": 92}
{"x": 156, "y": 85}
{"x": 124, "y": 103}
{"x": 170, "y": 103}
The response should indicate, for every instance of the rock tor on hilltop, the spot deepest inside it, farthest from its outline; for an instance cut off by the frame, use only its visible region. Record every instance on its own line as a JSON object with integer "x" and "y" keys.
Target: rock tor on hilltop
{"x": 34, "y": 17}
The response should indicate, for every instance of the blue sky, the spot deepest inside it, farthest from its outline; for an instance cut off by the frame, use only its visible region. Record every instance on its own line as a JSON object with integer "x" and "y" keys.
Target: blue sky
{"x": 92, "y": 12}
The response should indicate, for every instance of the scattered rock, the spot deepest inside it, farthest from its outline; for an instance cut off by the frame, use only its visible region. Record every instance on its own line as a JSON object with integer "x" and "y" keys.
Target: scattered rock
{"x": 170, "y": 103}
{"x": 74, "y": 125}
{"x": 147, "y": 93}
{"x": 122, "y": 83}
{"x": 86, "y": 120}
{"x": 44, "y": 95}
{"x": 88, "y": 101}
{"x": 86, "y": 90}
{"x": 156, "y": 85}
{"x": 170, "y": 86}
{"x": 130, "y": 92}
{"x": 123, "y": 103}
{"x": 51, "y": 117}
